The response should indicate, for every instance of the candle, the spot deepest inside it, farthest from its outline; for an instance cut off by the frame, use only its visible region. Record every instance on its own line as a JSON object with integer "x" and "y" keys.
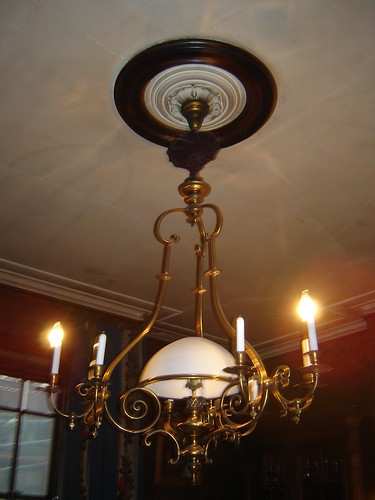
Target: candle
{"x": 240, "y": 334}
{"x": 56, "y": 360}
{"x": 313, "y": 341}
{"x": 307, "y": 309}
{"x": 55, "y": 337}
{"x": 101, "y": 343}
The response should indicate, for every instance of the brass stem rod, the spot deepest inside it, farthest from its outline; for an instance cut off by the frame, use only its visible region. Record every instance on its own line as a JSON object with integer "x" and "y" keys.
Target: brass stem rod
{"x": 199, "y": 291}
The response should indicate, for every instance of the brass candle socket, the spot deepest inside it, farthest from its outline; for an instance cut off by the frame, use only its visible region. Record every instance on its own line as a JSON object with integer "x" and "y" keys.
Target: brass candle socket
{"x": 242, "y": 366}
{"x": 95, "y": 371}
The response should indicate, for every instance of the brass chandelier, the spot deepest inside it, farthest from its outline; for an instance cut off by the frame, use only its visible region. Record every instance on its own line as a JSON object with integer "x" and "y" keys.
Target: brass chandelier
{"x": 193, "y": 96}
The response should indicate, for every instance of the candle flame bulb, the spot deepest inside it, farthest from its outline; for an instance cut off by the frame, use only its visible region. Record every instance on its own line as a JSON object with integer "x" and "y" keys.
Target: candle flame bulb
{"x": 307, "y": 310}
{"x": 306, "y": 307}
{"x": 56, "y": 335}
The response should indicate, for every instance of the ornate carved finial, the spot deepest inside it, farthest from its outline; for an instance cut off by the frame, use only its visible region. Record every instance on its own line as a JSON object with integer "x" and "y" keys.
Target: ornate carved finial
{"x": 193, "y": 151}
{"x": 199, "y": 100}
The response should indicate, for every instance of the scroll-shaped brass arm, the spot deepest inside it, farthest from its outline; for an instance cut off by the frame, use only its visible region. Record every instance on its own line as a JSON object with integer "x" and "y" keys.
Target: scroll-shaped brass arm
{"x": 163, "y": 278}
{"x": 92, "y": 390}
{"x": 135, "y": 405}
{"x": 71, "y": 416}
{"x": 164, "y": 432}
{"x": 293, "y": 407}
{"x": 238, "y": 411}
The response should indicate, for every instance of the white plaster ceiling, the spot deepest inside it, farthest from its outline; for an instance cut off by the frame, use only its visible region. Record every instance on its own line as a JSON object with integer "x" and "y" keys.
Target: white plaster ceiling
{"x": 79, "y": 190}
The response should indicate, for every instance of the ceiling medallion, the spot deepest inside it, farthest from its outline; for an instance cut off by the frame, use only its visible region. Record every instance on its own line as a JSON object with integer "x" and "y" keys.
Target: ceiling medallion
{"x": 238, "y": 88}
{"x": 168, "y": 90}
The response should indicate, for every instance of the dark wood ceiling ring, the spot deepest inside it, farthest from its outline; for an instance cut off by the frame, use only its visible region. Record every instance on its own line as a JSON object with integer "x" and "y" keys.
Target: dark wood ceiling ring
{"x": 258, "y": 82}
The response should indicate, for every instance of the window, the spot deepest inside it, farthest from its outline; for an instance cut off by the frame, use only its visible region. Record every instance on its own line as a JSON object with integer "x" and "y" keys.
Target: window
{"x": 26, "y": 438}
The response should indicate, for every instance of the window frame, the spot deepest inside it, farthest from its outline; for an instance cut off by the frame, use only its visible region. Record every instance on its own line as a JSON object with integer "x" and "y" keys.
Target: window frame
{"x": 20, "y": 411}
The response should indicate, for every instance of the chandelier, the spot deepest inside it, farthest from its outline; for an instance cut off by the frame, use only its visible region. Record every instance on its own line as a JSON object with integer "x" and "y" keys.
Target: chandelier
{"x": 193, "y": 96}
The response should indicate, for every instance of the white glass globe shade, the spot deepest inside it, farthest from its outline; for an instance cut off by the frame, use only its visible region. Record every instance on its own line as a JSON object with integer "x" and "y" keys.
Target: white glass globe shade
{"x": 190, "y": 355}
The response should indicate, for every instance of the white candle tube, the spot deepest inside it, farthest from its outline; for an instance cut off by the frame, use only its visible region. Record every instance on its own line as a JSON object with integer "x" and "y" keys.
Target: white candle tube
{"x": 307, "y": 310}
{"x": 240, "y": 334}
{"x": 102, "y": 340}
{"x": 56, "y": 360}
{"x": 313, "y": 341}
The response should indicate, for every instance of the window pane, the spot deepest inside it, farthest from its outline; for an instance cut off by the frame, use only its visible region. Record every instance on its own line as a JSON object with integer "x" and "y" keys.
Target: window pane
{"x": 34, "y": 398}
{"x": 34, "y": 451}
{"x": 8, "y": 431}
{"x": 10, "y": 390}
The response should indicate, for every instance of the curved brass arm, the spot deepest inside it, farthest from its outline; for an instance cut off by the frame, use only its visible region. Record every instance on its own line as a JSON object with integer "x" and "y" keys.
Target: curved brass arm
{"x": 71, "y": 416}
{"x": 219, "y": 220}
{"x": 140, "y": 410}
{"x": 163, "y": 278}
{"x": 280, "y": 378}
{"x": 223, "y": 321}
{"x": 83, "y": 389}
{"x": 212, "y": 274}
{"x": 163, "y": 432}
{"x": 174, "y": 238}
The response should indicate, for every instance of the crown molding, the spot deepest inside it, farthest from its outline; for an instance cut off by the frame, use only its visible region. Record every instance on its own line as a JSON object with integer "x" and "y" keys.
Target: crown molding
{"x": 267, "y": 349}
{"x": 78, "y": 293}
{"x": 351, "y": 318}
{"x": 351, "y": 314}
{"x": 292, "y": 341}
{"x": 75, "y": 292}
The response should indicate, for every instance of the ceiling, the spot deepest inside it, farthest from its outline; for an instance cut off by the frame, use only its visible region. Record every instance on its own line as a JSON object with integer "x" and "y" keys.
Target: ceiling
{"x": 79, "y": 190}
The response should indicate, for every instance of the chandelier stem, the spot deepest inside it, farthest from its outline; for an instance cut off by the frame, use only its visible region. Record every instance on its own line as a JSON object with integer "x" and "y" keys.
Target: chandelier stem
{"x": 198, "y": 291}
